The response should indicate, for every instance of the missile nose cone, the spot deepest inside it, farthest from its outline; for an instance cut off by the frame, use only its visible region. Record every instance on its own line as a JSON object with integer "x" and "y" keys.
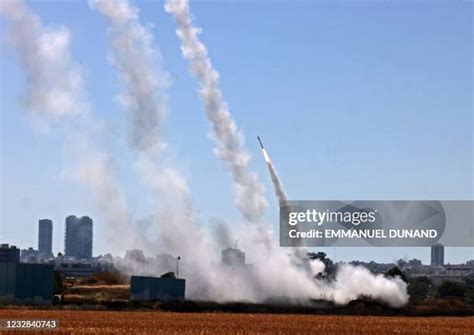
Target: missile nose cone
{"x": 261, "y": 145}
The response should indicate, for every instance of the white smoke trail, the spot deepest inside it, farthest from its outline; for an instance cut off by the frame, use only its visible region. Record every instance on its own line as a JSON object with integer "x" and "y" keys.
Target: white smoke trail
{"x": 54, "y": 87}
{"x": 229, "y": 143}
{"x": 138, "y": 64}
{"x": 277, "y": 185}
{"x": 55, "y": 95}
{"x": 142, "y": 93}
{"x": 143, "y": 97}
{"x": 95, "y": 168}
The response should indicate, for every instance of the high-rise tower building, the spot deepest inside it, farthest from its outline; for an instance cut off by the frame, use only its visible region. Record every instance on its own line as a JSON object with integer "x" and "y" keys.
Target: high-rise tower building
{"x": 437, "y": 255}
{"x": 45, "y": 237}
{"x": 78, "y": 237}
{"x": 70, "y": 234}
{"x": 85, "y": 237}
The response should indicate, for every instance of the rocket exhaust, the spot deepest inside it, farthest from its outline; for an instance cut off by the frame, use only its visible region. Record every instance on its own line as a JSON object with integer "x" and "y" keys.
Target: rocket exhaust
{"x": 277, "y": 185}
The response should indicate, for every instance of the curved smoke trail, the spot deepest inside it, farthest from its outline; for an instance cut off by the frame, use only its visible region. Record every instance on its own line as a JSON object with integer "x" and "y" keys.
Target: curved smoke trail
{"x": 229, "y": 143}
{"x": 143, "y": 98}
{"x": 138, "y": 63}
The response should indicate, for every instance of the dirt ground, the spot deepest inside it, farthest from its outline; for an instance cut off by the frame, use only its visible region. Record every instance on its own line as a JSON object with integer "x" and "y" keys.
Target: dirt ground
{"x": 120, "y": 322}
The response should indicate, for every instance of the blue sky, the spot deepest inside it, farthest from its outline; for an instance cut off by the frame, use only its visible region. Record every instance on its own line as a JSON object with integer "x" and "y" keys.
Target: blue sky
{"x": 353, "y": 100}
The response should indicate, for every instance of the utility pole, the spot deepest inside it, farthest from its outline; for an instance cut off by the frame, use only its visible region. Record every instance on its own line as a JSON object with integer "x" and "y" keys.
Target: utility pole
{"x": 177, "y": 266}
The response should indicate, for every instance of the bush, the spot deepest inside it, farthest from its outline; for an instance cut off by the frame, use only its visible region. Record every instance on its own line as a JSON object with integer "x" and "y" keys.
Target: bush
{"x": 395, "y": 271}
{"x": 422, "y": 279}
{"x": 418, "y": 290}
{"x": 451, "y": 289}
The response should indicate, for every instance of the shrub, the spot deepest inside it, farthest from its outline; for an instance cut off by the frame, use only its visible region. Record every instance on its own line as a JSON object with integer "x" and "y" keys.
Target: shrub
{"x": 418, "y": 290}
{"x": 451, "y": 289}
{"x": 395, "y": 271}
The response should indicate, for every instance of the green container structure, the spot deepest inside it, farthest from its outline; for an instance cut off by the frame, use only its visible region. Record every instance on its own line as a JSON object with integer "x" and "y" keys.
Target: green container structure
{"x": 153, "y": 288}
{"x": 23, "y": 283}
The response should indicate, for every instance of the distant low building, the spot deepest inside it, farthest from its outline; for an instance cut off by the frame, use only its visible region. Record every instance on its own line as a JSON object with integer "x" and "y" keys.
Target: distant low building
{"x": 457, "y": 270}
{"x": 373, "y": 266}
{"x": 233, "y": 257}
{"x": 414, "y": 263}
{"x": 153, "y": 288}
{"x": 75, "y": 269}
{"x": 9, "y": 254}
{"x": 135, "y": 255}
{"x": 30, "y": 255}
{"x": 470, "y": 264}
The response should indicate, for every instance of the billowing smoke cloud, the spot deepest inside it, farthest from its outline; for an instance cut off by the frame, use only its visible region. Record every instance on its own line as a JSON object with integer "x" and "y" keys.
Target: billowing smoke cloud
{"x": 277, "y": 185}
{"x": 229, "y": 143}
{"x": 353, "y": 282}
{"x": 55, "y": 95}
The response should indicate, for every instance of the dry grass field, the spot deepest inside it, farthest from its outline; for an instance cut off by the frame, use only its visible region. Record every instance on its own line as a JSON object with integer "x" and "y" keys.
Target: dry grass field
{"x": 102, "y": 322}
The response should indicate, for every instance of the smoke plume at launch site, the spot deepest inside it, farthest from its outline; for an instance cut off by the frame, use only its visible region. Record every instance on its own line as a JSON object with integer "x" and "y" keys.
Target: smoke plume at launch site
{"x": 143, "y": 99}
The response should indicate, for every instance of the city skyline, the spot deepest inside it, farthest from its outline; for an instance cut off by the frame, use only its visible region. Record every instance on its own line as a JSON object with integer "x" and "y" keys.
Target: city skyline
{"x": 78, "y": 243}
{"x": 229, "y": 254}
{"x": 77, "y": 238}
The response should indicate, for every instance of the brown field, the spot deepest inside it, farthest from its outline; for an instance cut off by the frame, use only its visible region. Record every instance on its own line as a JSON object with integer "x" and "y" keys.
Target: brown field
{"x": 105, "y": 322}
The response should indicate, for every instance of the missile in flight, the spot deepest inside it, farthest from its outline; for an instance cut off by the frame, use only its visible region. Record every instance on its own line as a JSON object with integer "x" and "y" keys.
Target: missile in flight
{"x": 261, "y": 145}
